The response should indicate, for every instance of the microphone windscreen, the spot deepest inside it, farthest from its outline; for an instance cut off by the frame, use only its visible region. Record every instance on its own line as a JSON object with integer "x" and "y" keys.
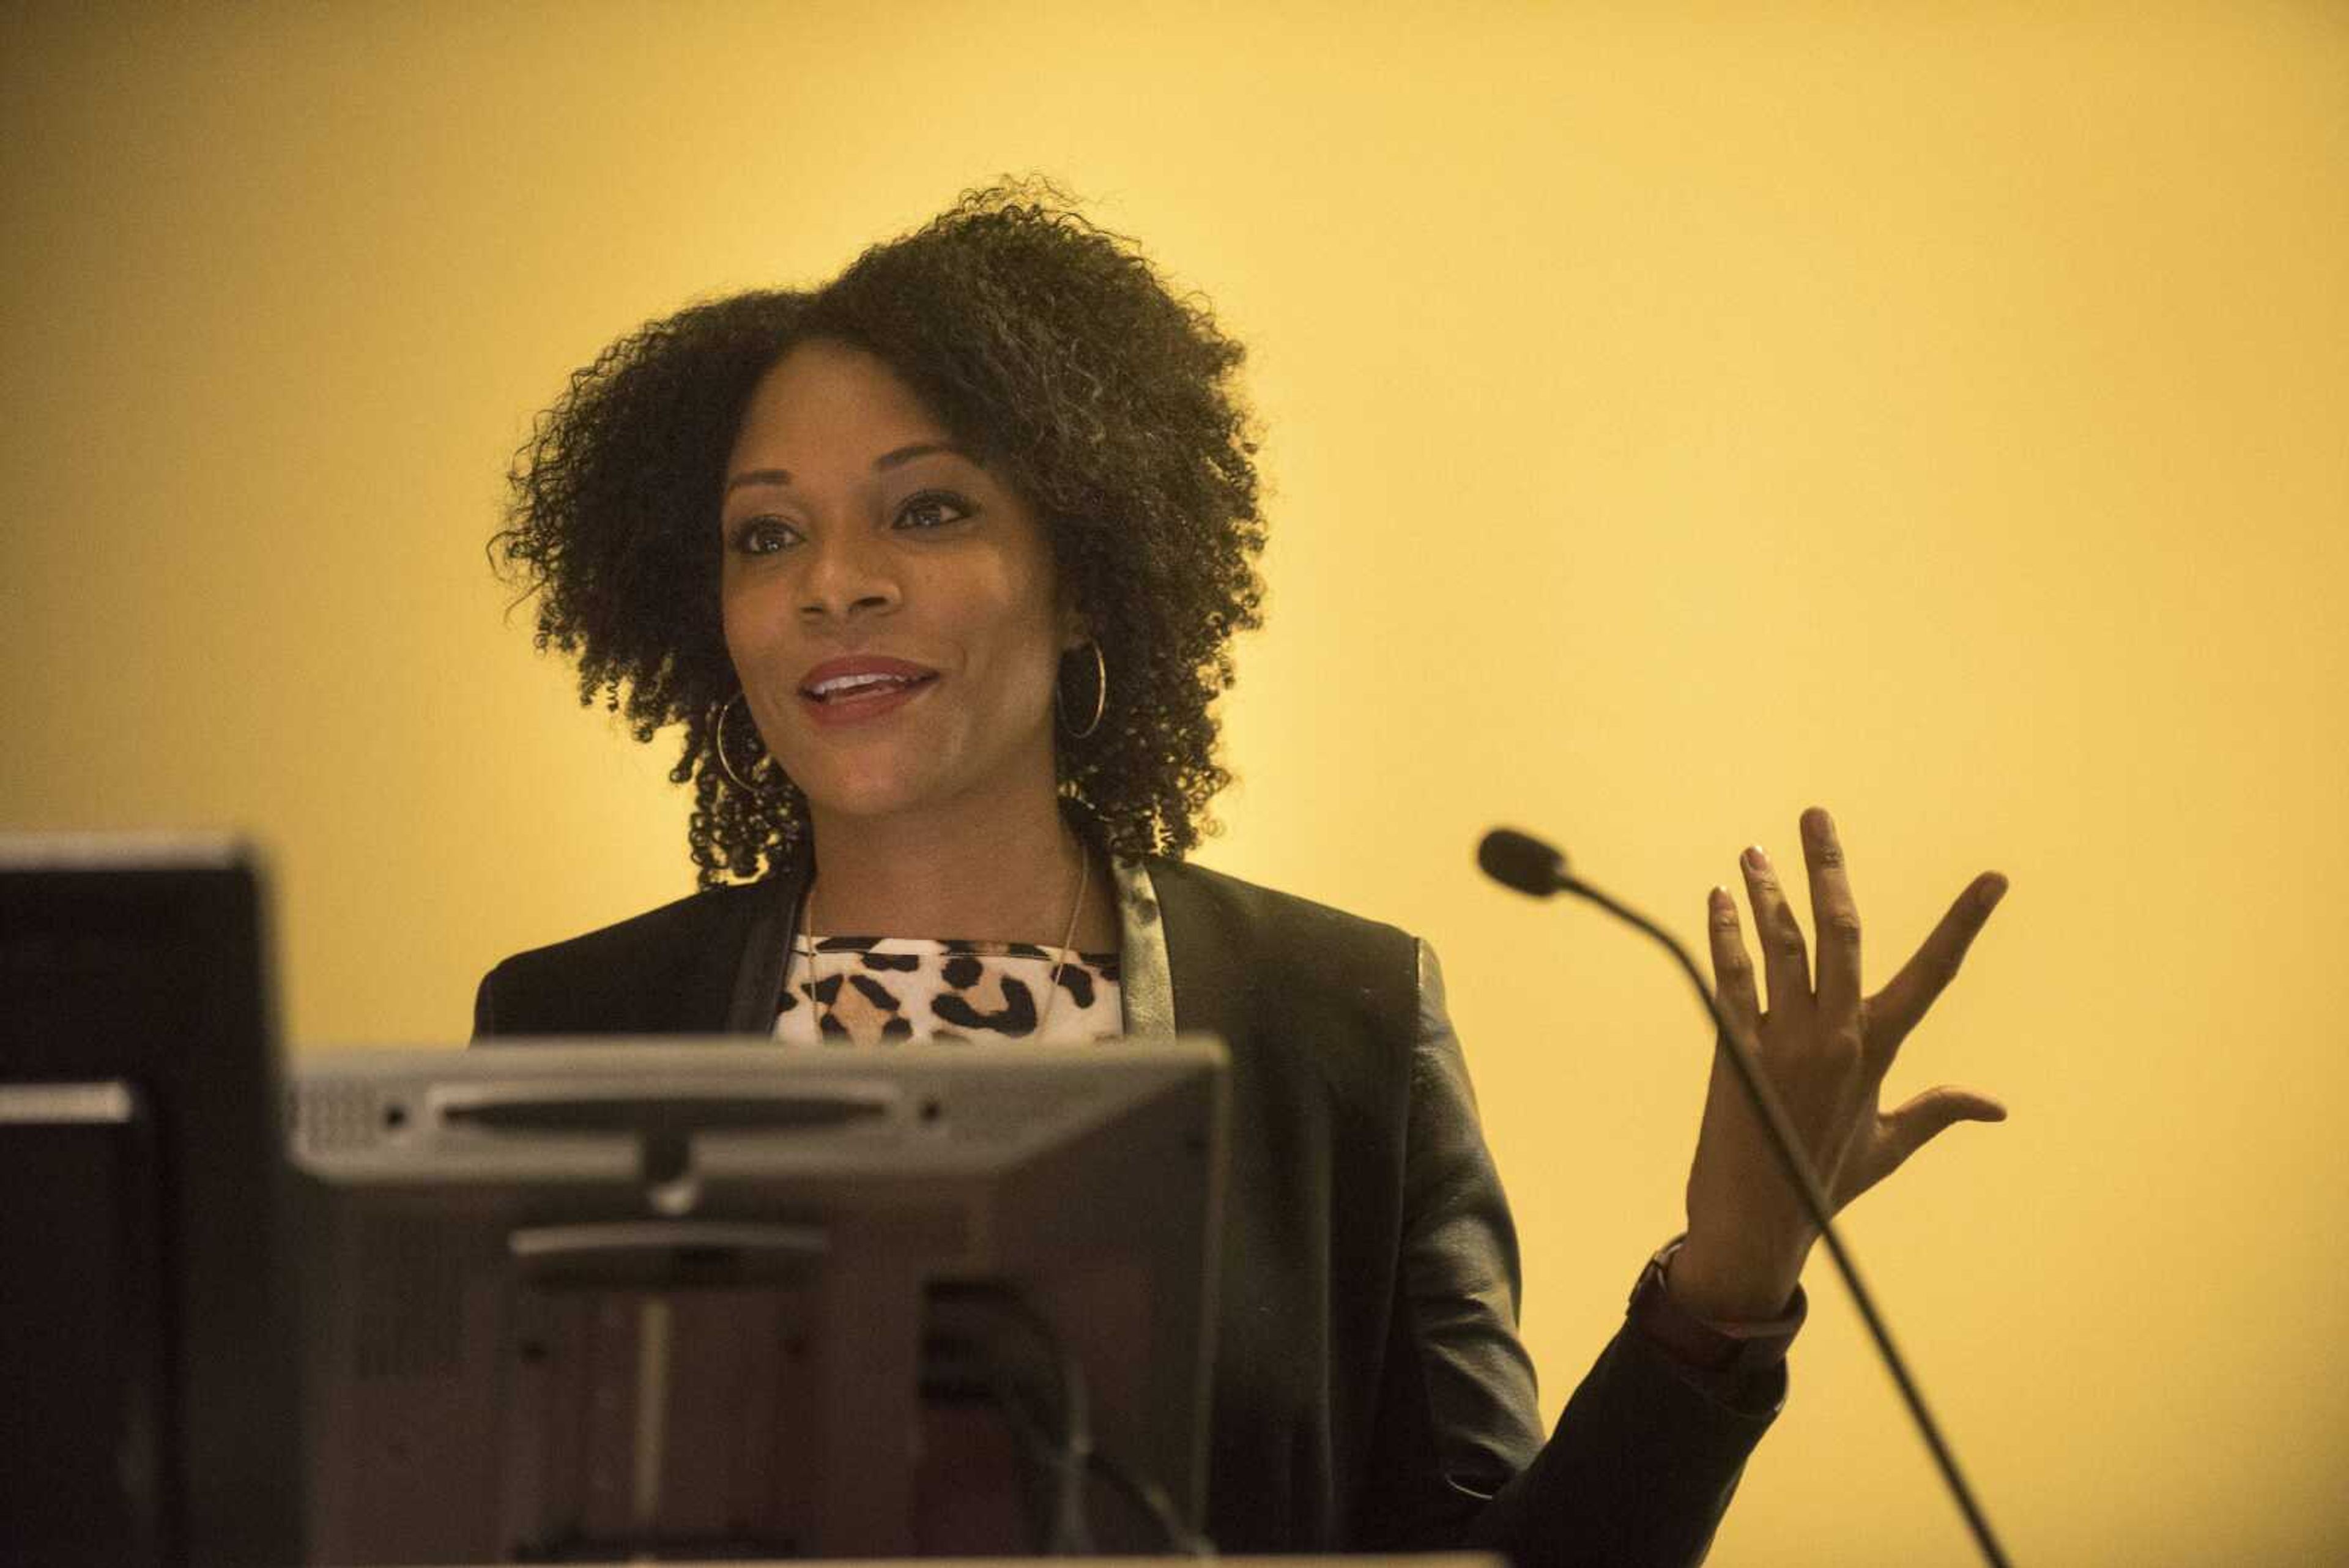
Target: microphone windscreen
{"x": 1520, "y": 860}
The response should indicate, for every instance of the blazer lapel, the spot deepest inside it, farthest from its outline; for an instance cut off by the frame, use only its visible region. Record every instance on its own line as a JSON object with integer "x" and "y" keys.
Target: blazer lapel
{"x": 1145, "y": 984}
{"x": 765, "y": 952}
{"x": 1198, "y": 960}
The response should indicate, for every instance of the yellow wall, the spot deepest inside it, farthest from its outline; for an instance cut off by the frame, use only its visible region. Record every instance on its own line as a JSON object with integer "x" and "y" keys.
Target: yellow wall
{"x": 1675, "y": 419}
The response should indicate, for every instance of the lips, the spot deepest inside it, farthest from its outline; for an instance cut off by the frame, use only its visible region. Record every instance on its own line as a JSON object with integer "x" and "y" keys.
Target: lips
{"x": 862, "y": 687}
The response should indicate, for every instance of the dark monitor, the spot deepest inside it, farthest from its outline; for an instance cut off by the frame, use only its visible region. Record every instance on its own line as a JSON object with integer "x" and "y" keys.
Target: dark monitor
{"x": 588, "y": 1301}
{"x": 147, "y": 1391}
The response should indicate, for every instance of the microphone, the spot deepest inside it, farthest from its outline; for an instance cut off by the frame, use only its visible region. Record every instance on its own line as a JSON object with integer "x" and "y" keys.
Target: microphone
{"x": 1533, "y": 867}
{"x": 1520, "y": 860}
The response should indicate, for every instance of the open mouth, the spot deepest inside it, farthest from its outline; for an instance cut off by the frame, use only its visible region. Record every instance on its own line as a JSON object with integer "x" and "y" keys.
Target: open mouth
{"x": 860, "y": 686}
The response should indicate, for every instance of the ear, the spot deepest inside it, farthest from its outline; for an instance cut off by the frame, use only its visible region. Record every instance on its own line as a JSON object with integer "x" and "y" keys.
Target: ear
{"x": 1076, "y": 629}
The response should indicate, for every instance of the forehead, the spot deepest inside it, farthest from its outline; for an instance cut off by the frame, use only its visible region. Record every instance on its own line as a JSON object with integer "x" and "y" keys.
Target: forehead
{"x": 825, "y": 396}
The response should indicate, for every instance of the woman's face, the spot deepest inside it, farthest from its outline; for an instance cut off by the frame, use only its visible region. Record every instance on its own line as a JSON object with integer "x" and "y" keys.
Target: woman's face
{"x": 891, "y": 606}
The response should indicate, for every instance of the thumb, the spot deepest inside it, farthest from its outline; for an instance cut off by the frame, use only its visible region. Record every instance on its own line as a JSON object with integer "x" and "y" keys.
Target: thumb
{"x": 1926, "y": 1118}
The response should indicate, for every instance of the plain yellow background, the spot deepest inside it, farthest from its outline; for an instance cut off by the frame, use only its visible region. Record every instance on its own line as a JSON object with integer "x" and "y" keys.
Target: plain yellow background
{"x": 1677, "y": 416}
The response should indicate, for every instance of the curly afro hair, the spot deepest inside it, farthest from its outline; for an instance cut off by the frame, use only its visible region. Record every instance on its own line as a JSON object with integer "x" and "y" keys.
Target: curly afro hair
{"x": 1044, "y": 343}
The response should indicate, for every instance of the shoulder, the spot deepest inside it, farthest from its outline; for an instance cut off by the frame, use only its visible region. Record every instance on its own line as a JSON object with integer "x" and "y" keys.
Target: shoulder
{"x": 684, "y": 921}
{"x": 1196, "y": 891}
{"x": 1270, "y": 950}
{"x": 649, "y": 973}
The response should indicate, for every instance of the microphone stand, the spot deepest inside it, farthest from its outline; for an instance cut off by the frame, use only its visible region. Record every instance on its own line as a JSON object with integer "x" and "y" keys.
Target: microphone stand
{"x": 1784, "y": 1139}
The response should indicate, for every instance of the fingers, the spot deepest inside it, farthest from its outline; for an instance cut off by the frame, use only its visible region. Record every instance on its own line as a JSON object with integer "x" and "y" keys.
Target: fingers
{"x": 1733, "y": 972}
{"x": 1835, "y": 919}
{"x": 1927, "y": 1116}
{"x": 1893, "y": 1011}
{"x": 1785, "y": 958}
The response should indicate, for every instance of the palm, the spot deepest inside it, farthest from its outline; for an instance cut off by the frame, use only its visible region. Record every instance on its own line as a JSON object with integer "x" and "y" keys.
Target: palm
{"x": 1826, "y": 1049}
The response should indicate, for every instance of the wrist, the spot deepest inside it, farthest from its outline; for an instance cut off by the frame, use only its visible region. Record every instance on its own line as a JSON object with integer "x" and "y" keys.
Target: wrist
{"x": 1711, "y": 1344}
{"x": 1751, "y": 1282}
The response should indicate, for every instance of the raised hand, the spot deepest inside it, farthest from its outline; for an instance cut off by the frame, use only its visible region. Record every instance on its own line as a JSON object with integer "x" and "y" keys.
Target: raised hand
{"x": 1826, "y": 1048}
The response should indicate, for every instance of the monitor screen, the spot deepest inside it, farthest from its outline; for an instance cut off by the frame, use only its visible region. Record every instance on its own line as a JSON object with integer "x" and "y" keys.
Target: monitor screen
{"x": 149, "y": 1410}
{"x": 580, "y": 1301}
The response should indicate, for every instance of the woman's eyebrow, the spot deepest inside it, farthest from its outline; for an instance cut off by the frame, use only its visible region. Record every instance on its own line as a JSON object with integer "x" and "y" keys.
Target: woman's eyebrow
{"x": 881, "y": 464}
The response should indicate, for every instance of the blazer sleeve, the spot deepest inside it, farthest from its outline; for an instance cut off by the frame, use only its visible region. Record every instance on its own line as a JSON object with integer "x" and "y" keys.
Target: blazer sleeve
{"x": 1646, "y": 1454}
{"x": 485, "y": 1008}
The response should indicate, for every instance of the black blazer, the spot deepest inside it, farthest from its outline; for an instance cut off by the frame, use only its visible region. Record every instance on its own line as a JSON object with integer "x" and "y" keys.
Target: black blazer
{"x": 1369, "y": 1389}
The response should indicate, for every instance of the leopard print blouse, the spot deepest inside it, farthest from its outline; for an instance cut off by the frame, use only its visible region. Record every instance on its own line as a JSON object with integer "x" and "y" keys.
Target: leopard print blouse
{"x": 875, "y": 991}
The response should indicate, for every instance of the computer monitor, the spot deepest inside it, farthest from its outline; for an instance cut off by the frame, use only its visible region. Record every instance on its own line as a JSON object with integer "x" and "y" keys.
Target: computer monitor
{"x": 147, "y": 1398}
{"x": 586, "y": 1300}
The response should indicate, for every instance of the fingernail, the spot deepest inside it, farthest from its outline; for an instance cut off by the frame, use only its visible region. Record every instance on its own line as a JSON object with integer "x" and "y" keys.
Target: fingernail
{"x": 1755, "y": 858}
{"x": 1992, "y": 893}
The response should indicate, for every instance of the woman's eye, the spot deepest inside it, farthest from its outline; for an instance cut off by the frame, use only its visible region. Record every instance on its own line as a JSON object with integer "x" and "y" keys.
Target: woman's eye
{"x": 764, "y": 535}
{"x": 932, "y": 510}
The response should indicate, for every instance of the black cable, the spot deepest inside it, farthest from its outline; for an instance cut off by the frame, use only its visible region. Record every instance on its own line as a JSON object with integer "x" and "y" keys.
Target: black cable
{"x": 1152, "y": 1499}
{"x": 1071, "y": 1456}
{"x": 1524, "y": 863}
{"x": 1147, "y": 1497}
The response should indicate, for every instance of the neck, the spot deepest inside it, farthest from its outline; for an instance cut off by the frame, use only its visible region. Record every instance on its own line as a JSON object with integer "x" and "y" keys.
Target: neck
{"x": 983, "y": 875}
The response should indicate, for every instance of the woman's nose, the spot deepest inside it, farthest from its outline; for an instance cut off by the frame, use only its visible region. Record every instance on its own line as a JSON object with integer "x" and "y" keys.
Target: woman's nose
{"x": 847, "y": 574}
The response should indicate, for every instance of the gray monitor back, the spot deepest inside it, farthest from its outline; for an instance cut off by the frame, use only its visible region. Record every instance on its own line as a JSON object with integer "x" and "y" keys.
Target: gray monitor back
{"x": 566, "y": 1299}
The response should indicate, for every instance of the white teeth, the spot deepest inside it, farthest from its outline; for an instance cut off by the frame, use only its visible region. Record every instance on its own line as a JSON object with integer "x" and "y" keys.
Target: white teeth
{"x": 840, "y": 685}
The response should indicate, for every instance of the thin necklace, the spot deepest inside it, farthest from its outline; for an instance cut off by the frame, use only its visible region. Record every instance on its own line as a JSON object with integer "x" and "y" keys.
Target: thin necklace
{"x": 1051, "y": 997}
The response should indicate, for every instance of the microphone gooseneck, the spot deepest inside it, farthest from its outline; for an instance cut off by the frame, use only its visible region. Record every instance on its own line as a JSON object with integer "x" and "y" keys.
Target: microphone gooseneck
{"x": 1528, "y": 864}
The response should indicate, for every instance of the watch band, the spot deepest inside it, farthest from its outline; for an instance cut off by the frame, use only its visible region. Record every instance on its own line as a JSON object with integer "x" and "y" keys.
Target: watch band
{"x": 1702, "y": 1341}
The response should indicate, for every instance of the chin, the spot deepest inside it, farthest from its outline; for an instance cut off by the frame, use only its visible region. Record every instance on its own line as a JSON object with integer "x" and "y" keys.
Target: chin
{"x": 861, "y": 793}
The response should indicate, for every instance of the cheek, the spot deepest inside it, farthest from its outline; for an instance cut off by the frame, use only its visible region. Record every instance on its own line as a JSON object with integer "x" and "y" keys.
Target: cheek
{"x": 1026, "y": 653}
{"x": 745, "y": 621}
{"x": 754, "y": 646}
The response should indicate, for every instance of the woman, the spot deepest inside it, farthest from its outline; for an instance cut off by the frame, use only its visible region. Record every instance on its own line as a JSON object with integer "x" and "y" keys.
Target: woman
{"x": 938, "y": 568}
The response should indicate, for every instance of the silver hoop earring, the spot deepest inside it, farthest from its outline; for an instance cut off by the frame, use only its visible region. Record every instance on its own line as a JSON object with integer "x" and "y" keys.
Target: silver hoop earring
{"x": 1100, "y": 694}
{"x": 718, "y": 733}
